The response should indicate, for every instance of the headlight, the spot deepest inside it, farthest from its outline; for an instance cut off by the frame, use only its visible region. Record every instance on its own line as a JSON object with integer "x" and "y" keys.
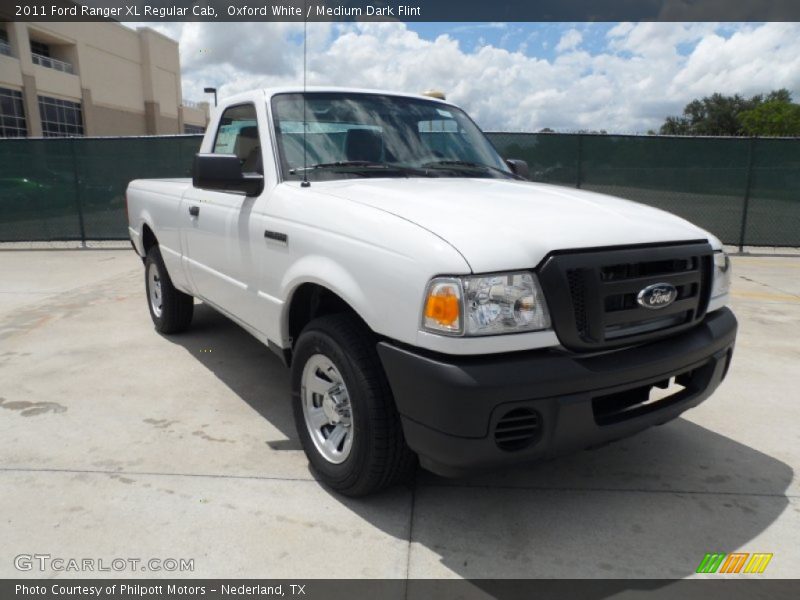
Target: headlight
{"x": 722, "y": 275}
{"x": 485, "y": 305}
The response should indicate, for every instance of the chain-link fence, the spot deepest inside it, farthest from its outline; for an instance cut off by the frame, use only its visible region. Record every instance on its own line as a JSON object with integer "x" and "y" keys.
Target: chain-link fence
{"x": 746, "y": 191}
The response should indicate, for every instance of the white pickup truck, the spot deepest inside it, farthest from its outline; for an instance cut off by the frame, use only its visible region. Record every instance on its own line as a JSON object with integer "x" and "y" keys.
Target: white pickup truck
{"x": 432, "y": 303}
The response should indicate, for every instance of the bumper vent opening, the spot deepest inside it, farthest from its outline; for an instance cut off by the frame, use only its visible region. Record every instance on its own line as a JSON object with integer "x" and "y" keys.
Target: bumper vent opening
{"x": 517, "y": 429}
{"x": 632, "y": 403}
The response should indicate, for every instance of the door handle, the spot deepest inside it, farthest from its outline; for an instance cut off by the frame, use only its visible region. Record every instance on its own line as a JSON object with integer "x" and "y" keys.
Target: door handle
{"x": 194, "y": 210}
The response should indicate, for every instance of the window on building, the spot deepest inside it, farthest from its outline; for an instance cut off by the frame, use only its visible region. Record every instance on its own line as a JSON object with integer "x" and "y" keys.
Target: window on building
{"x": 5, "y": 45}
{"x": 60, "y": 118}
{"x": 193, "y": 129}
{"x": 40, "y": 48}
{"x": 12, "y": 114}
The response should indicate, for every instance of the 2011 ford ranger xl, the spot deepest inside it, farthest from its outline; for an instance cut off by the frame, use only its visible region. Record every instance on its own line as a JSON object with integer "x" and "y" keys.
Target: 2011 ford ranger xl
{"x": 431, "y": 302}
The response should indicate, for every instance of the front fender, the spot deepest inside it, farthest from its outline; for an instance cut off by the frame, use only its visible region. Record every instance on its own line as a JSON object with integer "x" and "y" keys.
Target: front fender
{"x": 327, "y": 273}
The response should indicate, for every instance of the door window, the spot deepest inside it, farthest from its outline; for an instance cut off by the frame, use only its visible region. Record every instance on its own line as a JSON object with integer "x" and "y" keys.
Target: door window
{"x": 238, "y": 134}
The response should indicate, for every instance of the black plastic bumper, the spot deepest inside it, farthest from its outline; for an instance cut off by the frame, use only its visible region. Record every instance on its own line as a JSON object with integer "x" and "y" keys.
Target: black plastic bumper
{"x": 451, "y": 406}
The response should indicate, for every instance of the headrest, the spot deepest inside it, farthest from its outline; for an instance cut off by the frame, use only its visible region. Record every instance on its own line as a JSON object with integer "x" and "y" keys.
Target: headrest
{"x": 246, "y": 142}
{"x": 364, "y": 144}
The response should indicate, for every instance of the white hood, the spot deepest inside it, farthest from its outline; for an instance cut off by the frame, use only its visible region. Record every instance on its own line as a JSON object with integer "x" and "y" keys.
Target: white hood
{"x": 505, "y": 224}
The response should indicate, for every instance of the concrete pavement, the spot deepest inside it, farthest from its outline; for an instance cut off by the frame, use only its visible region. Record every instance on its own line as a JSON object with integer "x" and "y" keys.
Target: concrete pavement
{"x": 118, "y": 442}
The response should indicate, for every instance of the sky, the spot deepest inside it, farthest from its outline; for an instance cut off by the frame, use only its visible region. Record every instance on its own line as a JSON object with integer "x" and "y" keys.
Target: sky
{"x": 618, "y": 77}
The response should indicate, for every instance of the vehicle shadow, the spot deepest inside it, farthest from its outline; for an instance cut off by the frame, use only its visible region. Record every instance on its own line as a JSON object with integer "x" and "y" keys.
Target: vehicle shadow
{"x": 643, "y": 509}
{"x": 634, "y": 513}
{"x": 244, "y": 365}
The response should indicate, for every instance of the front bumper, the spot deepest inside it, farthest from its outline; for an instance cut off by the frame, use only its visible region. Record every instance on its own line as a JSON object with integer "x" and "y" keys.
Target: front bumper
{"x": 455, "y": 410}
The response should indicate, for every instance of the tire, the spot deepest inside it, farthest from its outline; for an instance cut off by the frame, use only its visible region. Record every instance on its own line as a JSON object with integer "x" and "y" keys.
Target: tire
{"x": 358, "y": 397}
{"x": 170, "y": 309}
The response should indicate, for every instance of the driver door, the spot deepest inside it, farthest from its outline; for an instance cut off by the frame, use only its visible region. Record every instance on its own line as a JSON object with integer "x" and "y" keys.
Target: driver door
{"x": 216, "y": 223}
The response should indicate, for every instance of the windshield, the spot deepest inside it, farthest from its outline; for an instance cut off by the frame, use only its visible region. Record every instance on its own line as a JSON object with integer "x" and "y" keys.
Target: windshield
{"x": 363, "y": 135}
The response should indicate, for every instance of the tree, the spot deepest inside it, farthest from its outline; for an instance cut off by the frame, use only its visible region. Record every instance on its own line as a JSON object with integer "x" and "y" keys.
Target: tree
{"x": 675, "y": 126}
{"x": 781, "y": 95}
{"x": 724, "y": 115}
{"x": 772, "y": 118}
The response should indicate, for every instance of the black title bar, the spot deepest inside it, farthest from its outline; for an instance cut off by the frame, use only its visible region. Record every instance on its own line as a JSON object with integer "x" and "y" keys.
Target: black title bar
{"x": 401, "y": 10}
{"x": 744, "y": 588}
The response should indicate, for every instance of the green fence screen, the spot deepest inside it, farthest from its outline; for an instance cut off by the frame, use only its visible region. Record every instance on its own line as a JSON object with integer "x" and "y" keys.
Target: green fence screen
{"x": 74, "y": 189}
{"x": 746, "y": 191}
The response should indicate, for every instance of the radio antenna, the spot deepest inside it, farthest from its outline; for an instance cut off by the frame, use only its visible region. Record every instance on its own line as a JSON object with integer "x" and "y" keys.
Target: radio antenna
{"x": 305, "y": 182}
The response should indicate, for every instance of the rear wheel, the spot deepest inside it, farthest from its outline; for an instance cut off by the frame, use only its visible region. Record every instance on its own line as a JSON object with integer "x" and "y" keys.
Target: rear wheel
{"x": 170, "y": 309}
{"x": 344, "y": 410}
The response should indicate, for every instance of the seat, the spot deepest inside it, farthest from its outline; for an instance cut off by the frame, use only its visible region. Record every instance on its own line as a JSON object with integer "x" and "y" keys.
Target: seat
{"x": 248, "y": 149}
{"x": 364, "y": 144}
{"x": 253, "y": 164}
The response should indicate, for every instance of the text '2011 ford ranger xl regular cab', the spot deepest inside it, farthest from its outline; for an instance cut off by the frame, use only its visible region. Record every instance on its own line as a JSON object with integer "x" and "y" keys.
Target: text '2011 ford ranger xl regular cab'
{"x": 431, "y": 302}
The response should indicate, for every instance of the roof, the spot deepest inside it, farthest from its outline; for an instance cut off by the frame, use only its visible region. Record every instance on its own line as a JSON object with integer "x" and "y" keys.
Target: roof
{"x": 269, "y": 92}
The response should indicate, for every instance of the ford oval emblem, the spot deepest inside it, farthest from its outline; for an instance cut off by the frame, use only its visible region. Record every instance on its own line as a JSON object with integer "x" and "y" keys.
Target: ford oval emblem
{"x": 657, "y": 295}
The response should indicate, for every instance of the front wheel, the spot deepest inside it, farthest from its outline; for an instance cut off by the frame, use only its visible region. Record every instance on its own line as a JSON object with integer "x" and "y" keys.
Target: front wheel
{"x": 344, "y": 410}
{"x": 170, "y": 309}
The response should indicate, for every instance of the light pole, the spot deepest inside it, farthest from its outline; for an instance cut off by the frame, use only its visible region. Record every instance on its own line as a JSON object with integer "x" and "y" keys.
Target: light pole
{"x": 212, "y": 90}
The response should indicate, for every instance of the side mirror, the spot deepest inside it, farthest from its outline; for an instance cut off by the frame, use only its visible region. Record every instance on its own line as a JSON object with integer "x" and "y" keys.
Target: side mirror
{"x": 519, "y": 167}
{"x": 223, "y": 172}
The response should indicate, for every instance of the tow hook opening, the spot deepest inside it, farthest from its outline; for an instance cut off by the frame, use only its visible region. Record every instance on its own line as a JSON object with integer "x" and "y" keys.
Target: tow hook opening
{"x": 627, "y": 404}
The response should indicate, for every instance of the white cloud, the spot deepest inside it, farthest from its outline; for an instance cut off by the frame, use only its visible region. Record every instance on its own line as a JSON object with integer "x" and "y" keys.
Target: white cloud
{"x": 753, "y": 60}
{"x": 570, "y": 40}
{"x": 620, "y": 29}
{"x": 643, "y": 72}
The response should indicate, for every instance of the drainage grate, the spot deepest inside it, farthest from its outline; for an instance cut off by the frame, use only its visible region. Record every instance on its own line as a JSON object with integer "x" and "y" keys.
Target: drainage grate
{"x": 517, "y": 429}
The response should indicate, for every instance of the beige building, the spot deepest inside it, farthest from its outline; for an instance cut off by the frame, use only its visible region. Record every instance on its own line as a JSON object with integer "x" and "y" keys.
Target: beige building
{"x": 92, "y": 79}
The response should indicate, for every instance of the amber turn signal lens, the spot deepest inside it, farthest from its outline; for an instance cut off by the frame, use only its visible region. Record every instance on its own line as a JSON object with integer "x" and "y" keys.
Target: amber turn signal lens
{"x": 443, "y": 308}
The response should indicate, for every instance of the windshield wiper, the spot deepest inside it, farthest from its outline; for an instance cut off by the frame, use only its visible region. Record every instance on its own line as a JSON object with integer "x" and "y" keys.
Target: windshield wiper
{"x": 469, "y": 165}
{"x": 362, "y": 164}
{"x": 339, "y": 163}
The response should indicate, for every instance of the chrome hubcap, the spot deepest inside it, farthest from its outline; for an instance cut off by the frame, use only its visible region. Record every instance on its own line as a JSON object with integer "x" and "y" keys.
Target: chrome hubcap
{"x": 154, "y": 286}
{"x": 326, "y": 409}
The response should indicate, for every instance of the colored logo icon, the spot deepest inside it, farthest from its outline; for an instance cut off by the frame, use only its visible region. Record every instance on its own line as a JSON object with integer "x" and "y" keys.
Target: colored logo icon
{"x": 736, "y": 562}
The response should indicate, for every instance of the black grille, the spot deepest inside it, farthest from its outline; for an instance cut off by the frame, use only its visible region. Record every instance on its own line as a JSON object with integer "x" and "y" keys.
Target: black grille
{"x": 577, "y": 288}
{"x": 592, "y": 296}
{"x": 516, "y": 429}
